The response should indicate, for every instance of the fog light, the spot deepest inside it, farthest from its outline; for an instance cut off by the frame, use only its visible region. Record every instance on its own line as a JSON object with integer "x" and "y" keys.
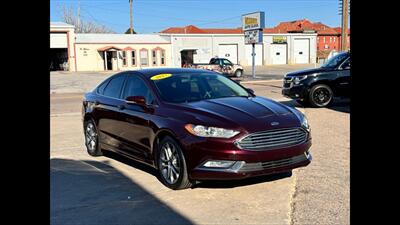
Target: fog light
{"x": 218, "y": 164}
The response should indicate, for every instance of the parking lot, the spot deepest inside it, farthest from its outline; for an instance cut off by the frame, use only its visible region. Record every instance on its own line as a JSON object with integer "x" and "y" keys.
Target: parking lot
{"x": 114, "y": 190}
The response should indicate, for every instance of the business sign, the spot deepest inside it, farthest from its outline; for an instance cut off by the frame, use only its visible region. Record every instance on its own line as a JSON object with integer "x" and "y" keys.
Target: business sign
{"x": 253, "y": 21}
{"x": 253, "y": 36}
{"x": 279, "y": 39}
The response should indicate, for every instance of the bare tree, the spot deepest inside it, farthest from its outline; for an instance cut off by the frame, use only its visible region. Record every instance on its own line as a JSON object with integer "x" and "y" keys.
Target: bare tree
{"x": 68, "y": 16}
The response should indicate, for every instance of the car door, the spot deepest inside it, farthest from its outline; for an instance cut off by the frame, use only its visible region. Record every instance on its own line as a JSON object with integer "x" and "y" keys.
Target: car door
{"x": 136, "y": 131}
{"x": 107, "y": 112}
{"x": 343, "y": 78}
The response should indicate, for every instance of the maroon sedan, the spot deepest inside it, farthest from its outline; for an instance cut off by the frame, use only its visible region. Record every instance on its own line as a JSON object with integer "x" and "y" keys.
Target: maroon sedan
{"x": 194, "y": 125}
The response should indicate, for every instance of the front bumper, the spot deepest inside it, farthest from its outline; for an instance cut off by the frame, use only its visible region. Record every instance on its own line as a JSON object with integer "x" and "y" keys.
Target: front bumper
{"x": 295, "y": 92}
{"x": 248, "y": 163}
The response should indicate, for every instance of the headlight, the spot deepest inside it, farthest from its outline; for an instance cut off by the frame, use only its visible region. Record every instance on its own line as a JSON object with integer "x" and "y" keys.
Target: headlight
{"x": 299, "y": 78}
{"x": 304, "y": 123}
{"x": 203, "y": 131}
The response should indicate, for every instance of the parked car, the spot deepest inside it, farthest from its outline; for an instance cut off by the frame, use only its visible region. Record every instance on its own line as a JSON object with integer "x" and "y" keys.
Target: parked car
{"x": 319, "y": 86}
{"x": 221, "y": 65}
{"x": 193, "y": 125}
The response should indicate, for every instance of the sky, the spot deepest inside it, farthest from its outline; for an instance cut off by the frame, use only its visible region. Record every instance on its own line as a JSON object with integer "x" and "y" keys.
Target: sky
{"x": 151, "y": 16}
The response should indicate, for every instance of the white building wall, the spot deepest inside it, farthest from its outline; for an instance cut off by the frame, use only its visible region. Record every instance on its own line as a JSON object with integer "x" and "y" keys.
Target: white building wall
{"x": 207, "y": 46}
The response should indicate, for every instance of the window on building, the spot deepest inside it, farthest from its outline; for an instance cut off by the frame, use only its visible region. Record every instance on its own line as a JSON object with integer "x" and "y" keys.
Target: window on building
{"x": 330, "y": 39}
{"x": 124, "y": 62}
{"x": 154, "y": 57}
{"x": 324, "y": 39}
{"x": 144, "y": 57}
{"x": 334, "y": 39}
{"x": 163, "y": 57}
{"x": 133, "y": 57}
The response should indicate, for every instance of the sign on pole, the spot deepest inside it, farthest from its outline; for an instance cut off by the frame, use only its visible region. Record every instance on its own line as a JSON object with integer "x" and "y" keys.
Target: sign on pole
{"x": 253, "y": 36}
{"x": 253, "y": 21}
{"x": 253, "y": 25}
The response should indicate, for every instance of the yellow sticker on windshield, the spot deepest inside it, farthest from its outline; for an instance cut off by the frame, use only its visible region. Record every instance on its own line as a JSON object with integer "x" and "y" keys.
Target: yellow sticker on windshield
{"x": 161, "y": 76}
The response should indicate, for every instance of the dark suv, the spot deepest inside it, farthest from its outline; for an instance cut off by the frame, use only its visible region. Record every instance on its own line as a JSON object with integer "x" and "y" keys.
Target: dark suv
{"x": 317, "y": 87}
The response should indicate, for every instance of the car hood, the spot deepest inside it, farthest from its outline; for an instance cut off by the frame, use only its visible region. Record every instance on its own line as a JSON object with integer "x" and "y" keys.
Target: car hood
{"x": 307, "y": 72}
{"x": 252, "y": 114}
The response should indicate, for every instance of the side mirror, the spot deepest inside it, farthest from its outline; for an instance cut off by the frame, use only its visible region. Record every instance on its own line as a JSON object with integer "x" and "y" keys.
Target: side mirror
{"x": 138, "y": 100}
{"x": 250, "y": 90}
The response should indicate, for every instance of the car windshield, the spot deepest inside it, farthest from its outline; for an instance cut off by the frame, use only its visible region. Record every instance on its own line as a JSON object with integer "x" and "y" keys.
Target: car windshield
{"x": 335, "y": 61}
{"x": 190, "y": 87}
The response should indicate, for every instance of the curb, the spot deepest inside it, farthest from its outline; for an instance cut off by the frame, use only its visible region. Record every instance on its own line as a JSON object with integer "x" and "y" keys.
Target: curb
{"x": 260, "y": 81}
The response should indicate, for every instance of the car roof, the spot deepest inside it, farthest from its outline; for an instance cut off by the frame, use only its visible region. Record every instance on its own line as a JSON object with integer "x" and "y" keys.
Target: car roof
{"x": 151, "y": 72}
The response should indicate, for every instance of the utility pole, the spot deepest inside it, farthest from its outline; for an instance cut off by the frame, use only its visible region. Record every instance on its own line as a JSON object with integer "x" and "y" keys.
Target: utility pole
{"x": 79, "y": 14}
{"x": 130, "y": 7}
{"x": 345, "y": 17}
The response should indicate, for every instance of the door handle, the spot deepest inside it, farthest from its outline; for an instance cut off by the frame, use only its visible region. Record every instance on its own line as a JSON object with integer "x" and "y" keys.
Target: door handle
{"x": 121, "y": 107}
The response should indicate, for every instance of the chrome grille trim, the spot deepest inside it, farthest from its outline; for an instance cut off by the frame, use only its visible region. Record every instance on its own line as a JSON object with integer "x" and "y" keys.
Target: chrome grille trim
{"x": 272, "y": 139}
{"x": 248, "y": 167}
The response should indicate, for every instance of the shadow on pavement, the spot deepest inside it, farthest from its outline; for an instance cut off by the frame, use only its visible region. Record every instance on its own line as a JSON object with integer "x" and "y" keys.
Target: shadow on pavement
{"x": 238, "y": 183}
{"x": 340, "y": 105}
{"x": 91, "y": 192}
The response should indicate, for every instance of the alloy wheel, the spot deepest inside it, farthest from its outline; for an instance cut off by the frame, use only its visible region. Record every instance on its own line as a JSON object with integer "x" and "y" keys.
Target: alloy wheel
{"x": 91, "y": 137}
{"x": 322, "y": 96}
{"x": 170, "y": 166}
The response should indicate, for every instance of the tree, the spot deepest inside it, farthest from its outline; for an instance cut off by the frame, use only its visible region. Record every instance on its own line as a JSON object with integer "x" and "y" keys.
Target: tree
{"x": 68, "y": 16}
{"x": 129, "y": 31}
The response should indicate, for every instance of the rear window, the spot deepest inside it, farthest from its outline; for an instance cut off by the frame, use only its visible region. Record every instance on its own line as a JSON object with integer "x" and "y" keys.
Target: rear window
{"x": 185, "y": 87}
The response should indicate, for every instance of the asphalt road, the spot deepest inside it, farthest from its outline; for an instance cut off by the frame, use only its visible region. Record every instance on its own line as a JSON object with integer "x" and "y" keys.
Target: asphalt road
{"x": 114, "y": 190}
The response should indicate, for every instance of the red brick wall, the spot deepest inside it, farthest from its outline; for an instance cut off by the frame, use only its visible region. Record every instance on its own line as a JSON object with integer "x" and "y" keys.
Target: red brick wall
{"x": 331, "y": 42}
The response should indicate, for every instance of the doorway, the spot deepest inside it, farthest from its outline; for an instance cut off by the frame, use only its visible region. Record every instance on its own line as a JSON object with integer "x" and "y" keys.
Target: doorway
{"x": 187, "y": 57}
{"x": 109, "y": 60}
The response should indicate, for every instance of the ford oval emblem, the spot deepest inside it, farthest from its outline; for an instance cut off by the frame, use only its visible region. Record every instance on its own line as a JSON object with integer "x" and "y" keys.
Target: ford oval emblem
{"x": 274, "y": 123}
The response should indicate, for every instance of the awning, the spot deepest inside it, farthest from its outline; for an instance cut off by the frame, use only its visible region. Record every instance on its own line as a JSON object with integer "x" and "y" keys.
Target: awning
{"x": 109, "y": 48}
{"x": 127, "y": 49}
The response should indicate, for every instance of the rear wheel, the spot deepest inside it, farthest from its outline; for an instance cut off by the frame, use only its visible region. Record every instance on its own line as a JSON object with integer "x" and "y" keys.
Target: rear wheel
{"x": 92, "y": 139}
{"x": 172, "y": 165}
{"x": 321, "y": 95}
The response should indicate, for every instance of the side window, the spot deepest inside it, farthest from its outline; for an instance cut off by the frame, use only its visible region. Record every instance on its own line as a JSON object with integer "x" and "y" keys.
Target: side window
{"x": 135, "y": 86}
{"x": 100, "y": 89}
{"x": 213, "y": 61}
{"x": 114, "y": 87}
{"x": 227, "y": 62}
{"x": 346, "y": 64}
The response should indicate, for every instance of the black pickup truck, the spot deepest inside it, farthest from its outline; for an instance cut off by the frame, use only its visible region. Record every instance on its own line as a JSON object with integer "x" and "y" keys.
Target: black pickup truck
{"x": 317, "y": 87}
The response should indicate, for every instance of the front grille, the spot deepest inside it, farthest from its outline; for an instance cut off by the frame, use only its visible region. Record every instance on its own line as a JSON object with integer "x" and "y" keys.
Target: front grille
{"x": 273, "y": 139}
{"x": 248, "y": 167}
{"x": 287, "y": 82}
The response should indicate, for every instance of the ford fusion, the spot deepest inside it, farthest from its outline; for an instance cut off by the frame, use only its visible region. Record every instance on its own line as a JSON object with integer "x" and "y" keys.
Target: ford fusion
{"x": 193, "y": 125}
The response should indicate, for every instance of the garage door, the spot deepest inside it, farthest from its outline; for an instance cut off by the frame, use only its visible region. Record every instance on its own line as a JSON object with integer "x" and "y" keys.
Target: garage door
{"x": 259, "y": 54}
{"x": 58, "y": 40}
{"x": 278, "y": 53}
{"x": 301, "y": 50}
{"x": 229, "y": 52}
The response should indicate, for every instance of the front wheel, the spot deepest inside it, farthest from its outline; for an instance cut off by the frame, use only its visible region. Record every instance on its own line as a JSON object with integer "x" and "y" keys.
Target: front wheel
{"x": 172, "y": 165}
{"x": 92, "y": 139}
{"x": 238, "y": 73}
{"x": 321, "y": 95}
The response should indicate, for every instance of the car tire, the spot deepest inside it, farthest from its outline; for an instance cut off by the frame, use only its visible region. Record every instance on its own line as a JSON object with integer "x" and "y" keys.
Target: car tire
{"x": 320, "y": 95}
{"x": 92, "y": 138}
{"x": 172, "y": 165}
{"x": 238, "y": 73}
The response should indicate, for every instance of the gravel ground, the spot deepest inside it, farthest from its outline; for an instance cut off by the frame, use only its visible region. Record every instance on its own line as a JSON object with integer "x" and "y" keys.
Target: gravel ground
{"x": 322, "y": 194}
